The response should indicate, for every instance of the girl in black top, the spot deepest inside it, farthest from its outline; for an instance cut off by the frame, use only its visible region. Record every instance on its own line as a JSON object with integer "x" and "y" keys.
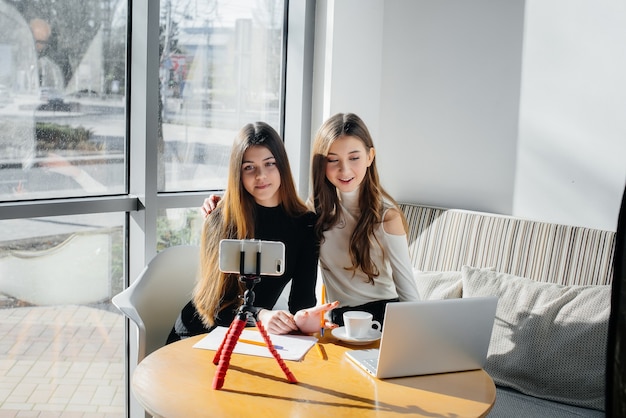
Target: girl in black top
{"x": 260, "y": 202}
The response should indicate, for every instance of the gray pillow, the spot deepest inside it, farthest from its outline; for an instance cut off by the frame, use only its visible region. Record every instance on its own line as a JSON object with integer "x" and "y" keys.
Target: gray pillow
{"x": 548, "y": 340}
{"x": 438, "y": 284}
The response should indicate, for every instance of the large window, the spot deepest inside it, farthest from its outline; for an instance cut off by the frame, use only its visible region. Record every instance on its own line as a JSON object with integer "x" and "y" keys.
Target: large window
{"x": 220, "y": 67}
{"x": 63, "y": 81}
{"x": 109, "y": 141}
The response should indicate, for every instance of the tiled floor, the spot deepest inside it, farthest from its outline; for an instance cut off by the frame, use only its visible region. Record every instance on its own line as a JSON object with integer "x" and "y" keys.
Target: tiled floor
{"x": 61, "y": 361}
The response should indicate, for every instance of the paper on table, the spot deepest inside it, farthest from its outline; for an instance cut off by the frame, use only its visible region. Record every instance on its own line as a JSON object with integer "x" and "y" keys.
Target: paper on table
{"x": 293, "y": 347}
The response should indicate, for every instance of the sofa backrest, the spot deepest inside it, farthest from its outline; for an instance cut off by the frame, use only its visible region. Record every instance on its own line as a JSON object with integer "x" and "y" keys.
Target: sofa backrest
{"x": 447, "y": 239}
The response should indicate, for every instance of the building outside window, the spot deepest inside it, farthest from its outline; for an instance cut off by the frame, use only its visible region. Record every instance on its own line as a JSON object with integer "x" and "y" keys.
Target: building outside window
{"x": 82, "y": 188}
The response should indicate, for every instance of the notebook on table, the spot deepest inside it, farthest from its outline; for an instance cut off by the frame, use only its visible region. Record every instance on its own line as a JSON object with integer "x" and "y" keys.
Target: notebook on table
{"x": 433, "y": 336}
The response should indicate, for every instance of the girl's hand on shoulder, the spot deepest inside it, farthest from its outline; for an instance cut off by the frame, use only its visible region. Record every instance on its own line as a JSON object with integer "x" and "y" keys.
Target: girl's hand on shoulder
{"x": 209, "y": 205}
{"x": 277, "y": 322}
{"x": 308, "y": 320}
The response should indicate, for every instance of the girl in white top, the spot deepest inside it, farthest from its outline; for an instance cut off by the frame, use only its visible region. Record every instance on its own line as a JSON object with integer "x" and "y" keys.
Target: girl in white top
{"x": 364, "y": 255}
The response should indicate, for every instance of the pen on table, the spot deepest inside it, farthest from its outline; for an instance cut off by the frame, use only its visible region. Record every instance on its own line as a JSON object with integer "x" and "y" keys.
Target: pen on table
{"x": 321, "y": 351}
{"x": 322, "y": 322}
{"x": 261, "y": 343}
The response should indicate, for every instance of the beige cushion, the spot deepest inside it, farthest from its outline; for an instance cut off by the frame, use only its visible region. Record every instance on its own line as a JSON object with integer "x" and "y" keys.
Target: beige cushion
{"x": 438, "y": 284}
{"x": 548, "y": 340}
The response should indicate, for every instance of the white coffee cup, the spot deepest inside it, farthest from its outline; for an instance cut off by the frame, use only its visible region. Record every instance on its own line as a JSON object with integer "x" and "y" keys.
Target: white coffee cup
{"x": 359, "y": 324}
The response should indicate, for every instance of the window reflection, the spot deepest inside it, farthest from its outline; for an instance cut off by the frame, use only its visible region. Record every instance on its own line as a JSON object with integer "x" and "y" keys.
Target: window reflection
{"x": 182, "y": 226}
{"x": 62, "y": 111}
{"x": 221, "y": 67}
{"x": 62, "y": 345}
{"x": 61, "y": 260}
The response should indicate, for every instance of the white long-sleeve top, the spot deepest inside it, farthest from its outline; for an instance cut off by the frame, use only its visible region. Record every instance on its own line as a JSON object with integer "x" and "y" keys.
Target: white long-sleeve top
{"x": 396, "y": 274}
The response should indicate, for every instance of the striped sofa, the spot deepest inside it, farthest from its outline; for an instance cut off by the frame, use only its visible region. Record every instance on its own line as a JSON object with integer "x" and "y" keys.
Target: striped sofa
{"x": 548, "y": 349}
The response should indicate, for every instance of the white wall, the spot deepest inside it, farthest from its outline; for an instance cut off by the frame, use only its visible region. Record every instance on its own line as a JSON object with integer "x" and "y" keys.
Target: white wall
{"x": 571, "y": 163}
{"x": 460, "y": 98}
{"x": 347, "y": 73}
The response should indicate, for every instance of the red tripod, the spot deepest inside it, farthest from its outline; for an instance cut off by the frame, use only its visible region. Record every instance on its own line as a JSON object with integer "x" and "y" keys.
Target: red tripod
{"x": 247, "y": 310}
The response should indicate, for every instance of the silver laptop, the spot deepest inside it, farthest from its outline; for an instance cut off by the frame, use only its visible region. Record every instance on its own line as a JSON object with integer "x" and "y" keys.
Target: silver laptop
{"x": 433, "y": 336}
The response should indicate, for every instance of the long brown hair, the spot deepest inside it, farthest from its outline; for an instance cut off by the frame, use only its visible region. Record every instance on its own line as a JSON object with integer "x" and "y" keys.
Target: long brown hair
{"x": 234, "y": 218}
{"x": 371, "y": 194}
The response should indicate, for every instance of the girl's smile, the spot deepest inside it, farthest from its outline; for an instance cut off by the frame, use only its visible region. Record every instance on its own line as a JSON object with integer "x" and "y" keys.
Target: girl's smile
{"x": 347, "y": 162}
{"x": 260, "y": 176}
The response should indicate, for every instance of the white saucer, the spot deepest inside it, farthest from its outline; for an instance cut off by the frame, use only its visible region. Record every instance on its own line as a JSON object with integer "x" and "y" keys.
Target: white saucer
{"x": 340, "y": 333}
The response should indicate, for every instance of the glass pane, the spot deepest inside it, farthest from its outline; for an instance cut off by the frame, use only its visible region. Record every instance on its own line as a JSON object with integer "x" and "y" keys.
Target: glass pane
{"x": 62, "y": 98}
{"x": 61, "y": 341}
{"x": 221, "y": 67}
{"x": 179, "y": 227}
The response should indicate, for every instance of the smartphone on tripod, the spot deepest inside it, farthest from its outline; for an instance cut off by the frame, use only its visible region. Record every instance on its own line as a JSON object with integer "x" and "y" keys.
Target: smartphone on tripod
{"x": 270, "y": 255}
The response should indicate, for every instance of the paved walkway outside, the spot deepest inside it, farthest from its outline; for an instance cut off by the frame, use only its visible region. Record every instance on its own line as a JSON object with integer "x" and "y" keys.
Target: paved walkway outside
{"x": 62, "y": 361}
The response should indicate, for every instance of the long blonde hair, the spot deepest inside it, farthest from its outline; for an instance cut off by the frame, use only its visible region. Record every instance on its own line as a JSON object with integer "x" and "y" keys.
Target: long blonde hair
{"x": 234, "y": 218}
{"x": 371, "y": 196}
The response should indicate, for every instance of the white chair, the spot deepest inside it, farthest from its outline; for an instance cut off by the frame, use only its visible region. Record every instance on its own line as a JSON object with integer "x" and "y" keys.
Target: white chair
{"x": 155, "y": 299}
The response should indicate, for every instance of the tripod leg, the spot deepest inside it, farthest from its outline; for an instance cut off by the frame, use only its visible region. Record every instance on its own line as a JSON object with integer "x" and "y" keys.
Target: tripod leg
{"x": 226, "y": 350}
{"x": 270, "y": 346}
{"x": 218, "y": 353}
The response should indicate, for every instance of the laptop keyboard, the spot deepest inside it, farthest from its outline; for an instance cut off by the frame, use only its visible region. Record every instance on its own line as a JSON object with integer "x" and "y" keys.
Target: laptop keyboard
{"x": 372, "y": 363}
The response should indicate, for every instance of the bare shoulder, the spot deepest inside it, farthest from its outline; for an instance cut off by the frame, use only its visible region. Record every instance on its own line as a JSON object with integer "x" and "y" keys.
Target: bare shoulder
{"x": 392, "y": 223}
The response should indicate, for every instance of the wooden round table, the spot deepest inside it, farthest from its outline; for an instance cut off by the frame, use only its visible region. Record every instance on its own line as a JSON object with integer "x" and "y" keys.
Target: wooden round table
{"x": 176, "y": 381}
